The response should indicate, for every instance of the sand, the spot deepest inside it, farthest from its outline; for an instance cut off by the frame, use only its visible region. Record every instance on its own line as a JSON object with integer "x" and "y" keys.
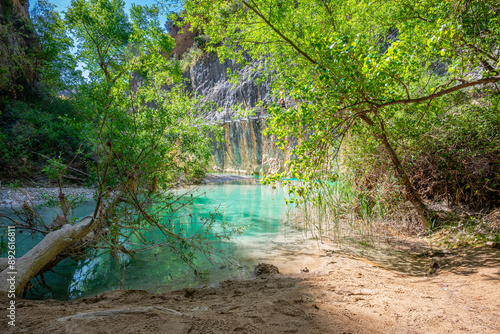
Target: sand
{"x": 344, "y": 295}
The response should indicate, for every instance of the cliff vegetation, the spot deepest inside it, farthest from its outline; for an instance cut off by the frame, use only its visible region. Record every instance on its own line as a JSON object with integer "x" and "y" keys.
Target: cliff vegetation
{"x": 394, "y": 103}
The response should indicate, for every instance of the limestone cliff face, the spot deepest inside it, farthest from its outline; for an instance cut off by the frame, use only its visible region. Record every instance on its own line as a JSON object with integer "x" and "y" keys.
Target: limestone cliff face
{"x": 244, "y": 148}
{"x": 17, "y": 49}
{"x": 208, "y": 78}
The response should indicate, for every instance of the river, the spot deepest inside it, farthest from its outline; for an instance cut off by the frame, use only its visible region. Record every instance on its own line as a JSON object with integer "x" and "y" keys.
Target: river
{"x": 267, "y": 238}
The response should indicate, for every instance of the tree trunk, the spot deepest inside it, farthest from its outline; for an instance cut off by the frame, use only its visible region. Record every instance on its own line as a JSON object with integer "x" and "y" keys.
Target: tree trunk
{"x": 38, "y": 257}
{"x": 411, "y": 192}
{"x": 4, "y": 263}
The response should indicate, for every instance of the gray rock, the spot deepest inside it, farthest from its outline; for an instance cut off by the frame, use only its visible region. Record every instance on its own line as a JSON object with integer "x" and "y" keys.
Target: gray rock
{"x": 208, "y": 78}
{"x": 265, "y": 269}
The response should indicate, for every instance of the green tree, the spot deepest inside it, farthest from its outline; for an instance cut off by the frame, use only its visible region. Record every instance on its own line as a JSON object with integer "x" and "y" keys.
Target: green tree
{"x": 54, "y": 62}
{"x": 146, "y": 135}
{"x": 356, "y": 67}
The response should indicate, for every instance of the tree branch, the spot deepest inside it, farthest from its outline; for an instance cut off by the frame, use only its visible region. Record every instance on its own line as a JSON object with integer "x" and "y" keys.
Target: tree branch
{"x": 440, "y": 93}
{"x": 292, "y": 44}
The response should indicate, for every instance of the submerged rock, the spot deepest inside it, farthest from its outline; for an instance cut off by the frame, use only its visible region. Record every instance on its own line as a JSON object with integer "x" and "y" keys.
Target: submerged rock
{"x": 265, "y": 269}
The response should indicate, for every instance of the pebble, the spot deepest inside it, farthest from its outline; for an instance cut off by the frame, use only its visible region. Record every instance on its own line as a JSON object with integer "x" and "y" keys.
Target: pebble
{"x": 16, "y": 198}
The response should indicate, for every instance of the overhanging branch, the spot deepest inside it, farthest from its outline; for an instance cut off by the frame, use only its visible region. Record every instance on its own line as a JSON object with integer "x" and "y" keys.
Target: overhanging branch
{"x": 440, "y": 93}
{"x": 289, "y": 41}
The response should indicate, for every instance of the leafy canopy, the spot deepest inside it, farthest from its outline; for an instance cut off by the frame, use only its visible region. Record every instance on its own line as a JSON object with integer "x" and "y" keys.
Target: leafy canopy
{"x": 55, "y": 63}
{"x": 146, "y": 131}
{"x": 354, "y": 66}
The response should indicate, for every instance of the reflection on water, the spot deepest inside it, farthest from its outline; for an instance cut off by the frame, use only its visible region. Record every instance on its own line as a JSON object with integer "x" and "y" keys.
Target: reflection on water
{"x": 267, "y": 239}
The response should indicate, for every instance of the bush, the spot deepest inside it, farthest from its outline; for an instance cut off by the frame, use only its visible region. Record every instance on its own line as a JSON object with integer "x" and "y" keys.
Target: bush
{"x": 48, "y": 127}
{"x": 458, "y": 160}
{"x": 201, "y": 41}
{"x": 452, "y": 155}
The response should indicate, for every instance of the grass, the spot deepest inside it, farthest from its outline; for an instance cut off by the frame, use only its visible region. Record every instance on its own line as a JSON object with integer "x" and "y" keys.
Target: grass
{"x": 463, "y": 232}
{"x": 338, "y": 211}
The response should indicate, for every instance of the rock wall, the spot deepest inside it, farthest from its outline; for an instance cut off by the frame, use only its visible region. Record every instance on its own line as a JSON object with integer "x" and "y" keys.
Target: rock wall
{"x": 208, "y": 78}
{"x": 17, "y": 46}
{"x": 245, "y": 149}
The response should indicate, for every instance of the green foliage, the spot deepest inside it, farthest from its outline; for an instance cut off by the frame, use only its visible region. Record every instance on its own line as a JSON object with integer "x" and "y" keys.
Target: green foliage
{"x": 54, "y": 168}
{"x": 371, "y": 71}
{"x": 455, "y": 157}
{"x": 461, "y": 232}
{"x": 201, "y": 41}
{"x": 35, "y": 55}
{"x": 146, "y": 138}
{"x": 38, "y": 66}
{"x": 190, "y": 58}
{"x": 451, "y": 155}
{"x": 56, "y": 65}
{"x": 48, "y": 127}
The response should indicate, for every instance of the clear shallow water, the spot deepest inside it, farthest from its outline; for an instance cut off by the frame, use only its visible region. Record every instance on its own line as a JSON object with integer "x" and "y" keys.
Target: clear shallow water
{"x": 267, "y": 239}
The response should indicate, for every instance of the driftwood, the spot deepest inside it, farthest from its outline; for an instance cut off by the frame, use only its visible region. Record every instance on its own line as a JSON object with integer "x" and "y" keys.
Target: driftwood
{"x": 50, "y": 251}
{"x": 37, "y": 258}
{"x": 55, "y": 245}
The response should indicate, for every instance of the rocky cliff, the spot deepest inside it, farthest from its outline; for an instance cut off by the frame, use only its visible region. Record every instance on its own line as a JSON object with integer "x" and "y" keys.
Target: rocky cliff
{"x": 208, "y": 77}
{"x": 17, "y": 49}
{"x": 244, "y": 148}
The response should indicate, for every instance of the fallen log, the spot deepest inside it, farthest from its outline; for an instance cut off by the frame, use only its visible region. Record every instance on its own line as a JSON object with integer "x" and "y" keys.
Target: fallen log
{"x": 3, "y": 263}
{"x": 13, "y": 280}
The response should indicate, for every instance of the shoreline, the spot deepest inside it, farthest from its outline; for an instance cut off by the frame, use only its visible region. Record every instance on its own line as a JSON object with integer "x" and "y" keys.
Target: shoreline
{"x": 10, "y": 198}
{"x": 341, "y": 294}
{"x": 345, "y": 295}
{"x": 35, "y": 196}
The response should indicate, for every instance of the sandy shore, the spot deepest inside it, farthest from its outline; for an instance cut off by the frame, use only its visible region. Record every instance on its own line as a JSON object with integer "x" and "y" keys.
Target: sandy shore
{"x": 345, "y": 295}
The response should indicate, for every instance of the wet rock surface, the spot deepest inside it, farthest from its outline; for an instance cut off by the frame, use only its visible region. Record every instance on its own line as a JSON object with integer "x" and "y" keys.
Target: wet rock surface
{"x": 265, "y": 269}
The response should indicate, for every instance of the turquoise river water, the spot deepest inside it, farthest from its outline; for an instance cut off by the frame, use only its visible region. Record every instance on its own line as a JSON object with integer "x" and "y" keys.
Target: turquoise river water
{"x": 268, "y": 238}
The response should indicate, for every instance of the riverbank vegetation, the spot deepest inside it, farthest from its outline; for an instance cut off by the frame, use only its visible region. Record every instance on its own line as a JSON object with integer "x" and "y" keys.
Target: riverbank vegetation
{"x": 137, "y": 132}
{"x": 396, "y": 101}
{"x": 38, "y": 119}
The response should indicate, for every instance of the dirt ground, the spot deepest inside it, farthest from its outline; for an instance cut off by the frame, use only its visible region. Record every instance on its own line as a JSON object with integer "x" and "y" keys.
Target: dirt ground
{"x": 345, "y": 295}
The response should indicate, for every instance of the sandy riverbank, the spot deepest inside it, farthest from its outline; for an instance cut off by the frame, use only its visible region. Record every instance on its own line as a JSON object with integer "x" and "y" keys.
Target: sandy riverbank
{"x": 345, "y": 295}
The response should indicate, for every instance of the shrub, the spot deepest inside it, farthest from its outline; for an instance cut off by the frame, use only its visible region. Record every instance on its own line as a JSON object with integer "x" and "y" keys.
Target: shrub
{"x": 47, "y": 127}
